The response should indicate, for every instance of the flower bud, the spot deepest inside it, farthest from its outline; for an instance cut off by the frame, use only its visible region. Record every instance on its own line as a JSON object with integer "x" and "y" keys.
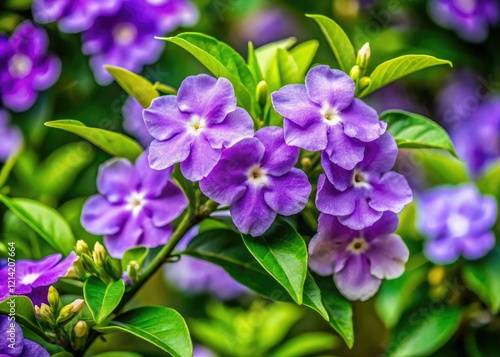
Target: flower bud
{"x": 262, "y": 93}
{"x": 355, "y": 73}
{"x": 306, "y": 163}
{"x": 54, "y": 300}
{"x": 69, "y": 311}
{"x": 82, "y": 247}
{"x": 133, "y": 271}
{"x": 364, "y": 82}
{"x": 81, "y": 329}
{"x": 100, "y": 255}
{"x": 363, "y": 57}
{"x": 436, "y": 275}
{"x": 89, "y": 265}
{"x": 79, "y": 268}
{"x": 44, "y": 313}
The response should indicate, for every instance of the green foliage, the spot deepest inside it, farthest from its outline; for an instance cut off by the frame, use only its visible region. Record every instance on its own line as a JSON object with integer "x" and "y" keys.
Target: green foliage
{"x": 24, "y": 313}
{"x": 101, "y": 298}
{"x": 488, "y": 183}
{"x": 44, "y": 220}
{"x": 7, "y": 167}
{"x": 115, "y": 144}
{"x": 137, "y": 254}
{"x": 306, "y": 345}
{"x": 163, "y": 327}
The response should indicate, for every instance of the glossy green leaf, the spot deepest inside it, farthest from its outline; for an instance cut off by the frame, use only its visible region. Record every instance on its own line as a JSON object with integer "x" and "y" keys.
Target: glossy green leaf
{"x": 135, "y": 85}
{"x": 306, "y": 344}
{"x": 222, "y": 61}
{"x": 313, "y": 298}
{"x": 24, "y": 313}
{"x": 303, "y": 54}
{"x": 288, "y": 69}
{"x": 282, "y": 253}
{"x": 44, "y": 220}
{"x": 426, "y": 332}
{"x": 265, "y": 54}
{"x": 115, "y": 144}
{"x": 399, "y": 67}
{"x": 413, "y": 131}
{"x": 163, "y": 327}
{"x": 253, "y": 63}
{"x": 102, "y": 299}
{"x": 338, "y": 41}
{"x": 483, "y": 277}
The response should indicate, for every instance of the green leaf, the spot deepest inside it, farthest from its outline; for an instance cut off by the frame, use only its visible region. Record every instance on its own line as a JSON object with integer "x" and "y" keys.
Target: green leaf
{"x": 288, "y": 69}
{"x": 222, "y": 61}
{"x": 338, "y": 41}
{"x": 488, "y": 184}
{"x": 303, "y": 54}
{"x": 135, "y": 85}
{"x": 137, "y": 254}
{"x": 413, "y": 131}
{"x": 44, "y": 220}
{"x": 119, "y": 354}
{"x": 426, "y": 332}
{"x": 339, "y": 309}
{"x": 306, "y": 344}
{"x": 265, "y": 54}
{"x": 25, "y": 313}
{"x": 102, "y": 299}
{"x": 399, "y": 67}
{"x": 163, "y": 327}
{"x": 253, "y": 63}
{"x": 115, "y": 144}
{"x": 312, "y": 297}
{"x": 483, "y": 278}
{"x": 282, "y": 253}
{"x": 8, "y": 165}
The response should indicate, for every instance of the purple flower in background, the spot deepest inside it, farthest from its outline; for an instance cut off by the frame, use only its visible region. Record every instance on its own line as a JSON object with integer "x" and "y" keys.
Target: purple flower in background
{"x": 202, "y": 351}
{"x": 12, "y": 138}
{"x": 133, "y": 123}
{"x": 33, "y": 278}
{"x": 170, "y": 14}
{"x": 197, "y": 276}
{"x": 73, "y": 15}
{"x": 135, "y": 206}
{"x": 324, "y": 115}
{"x": 394, "y": 96}
{"x": 358, "y": 260}
{"x": 469, "y": 18}
{"x": 21, "y": 347}
{"x": 193, "y": 127}
{"x": 360, "y": 196}
{"x": 25, "y": 67}
{"x": 257, "y": 178}
{"x": 457, "y": 221}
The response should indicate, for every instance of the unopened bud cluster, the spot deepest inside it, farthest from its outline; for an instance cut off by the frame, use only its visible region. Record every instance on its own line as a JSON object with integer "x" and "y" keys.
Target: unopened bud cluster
{"x": 96, "y": 262}
{"x": 56, "y": 315}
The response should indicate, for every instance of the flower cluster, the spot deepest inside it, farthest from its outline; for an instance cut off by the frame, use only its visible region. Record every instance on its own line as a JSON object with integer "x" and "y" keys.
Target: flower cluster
{"x": 25, "y": 66}
{"x": 457, "y": 221}
{"x": 117, "y": 32}
{"x": 11, "y": 137}
{"x": 358, "y": 190}
{"x": 13, "y": 343}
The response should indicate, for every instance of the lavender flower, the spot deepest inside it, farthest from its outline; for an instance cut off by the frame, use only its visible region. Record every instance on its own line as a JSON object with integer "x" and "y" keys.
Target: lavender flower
{"x": 358, "y": 260}
{"x": 197, "y": 276}
{"x": 470, "y": 19}
{"x": 13, "y": 343}
{"x": 193, "y": 127}
{"x": 360, "y": 196}
{"x": 172, "y": 13}
{"x": 324, "y": 115}
{"x": 25, "y": 67}
{"x": 202, "y": 351}
{"x": 133, "y": 123}
{"x": 457, "y": 221}
{"x": 135, "y": 206}
{"x": 33, "y": 278}
{"x": 257, "y": 178}
{"x": 11, "y": 137}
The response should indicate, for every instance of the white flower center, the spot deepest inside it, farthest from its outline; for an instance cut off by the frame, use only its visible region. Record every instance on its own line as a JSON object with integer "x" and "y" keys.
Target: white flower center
{"x": 466, "y": 6}
{"x": 358, "y": 246}
{"x": 331, "y": 116}
{"x": 20, "y": 65}
{"x": 125, "y": 33}
{"x": 360, "y": 179}
{"x": 29, "y": 278}
{"x": 196, "y": 125}
{"x": 257, "y": 176}
{"x": 135, "y": 202}
{"x": 458, "y": 224}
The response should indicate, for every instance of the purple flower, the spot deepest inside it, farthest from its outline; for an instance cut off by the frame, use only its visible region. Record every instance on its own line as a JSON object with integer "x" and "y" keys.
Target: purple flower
{"x": 257, "y": 178}
{"x": 73, "y": 15}
{"x": 197, "y": 276}
{"x": 457, "y": 221}
{"x": 170, "y": 14}
{"x": 360, "y": 196}
{"x": 13, "y": 343}
{"x": 25, "y": 67}
{"x": 133, "y": 123}
{"x": 193, "y": 127}
{"x": 324, "y": 115}
{"x": 11, "y": 137}
{"x": 358, "y": 260}
{"x": 202, "y": 351}
{"x": 135, "y": 206}
{"x": 33, "y": 278}
{"x": 469, "y": 18}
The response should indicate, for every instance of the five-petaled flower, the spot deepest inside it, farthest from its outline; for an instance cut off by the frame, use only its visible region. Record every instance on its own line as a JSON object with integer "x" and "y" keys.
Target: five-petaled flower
{"x": 135, "y": 206}
{"x": 358, "y": 259}
{"x": 193, "y": 127}
{"x": 324, "y": 115}
{"x": 257, "y": 178}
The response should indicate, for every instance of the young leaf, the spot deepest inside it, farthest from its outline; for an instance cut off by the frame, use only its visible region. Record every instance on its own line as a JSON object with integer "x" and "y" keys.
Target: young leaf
{"x": 427, "y": 332}
{"x": 483, "y": 278}
{"x": 282, "y": 252}
{"x": 338, "y": 41}
{"x": 289, "y": 71}
{"x": 25, "y": 313}
{"x": 102, "y": 299}
{"x": 44, "y": 220}
{"x": 115, "y": 144}
{"x": 253, "y": 63}
{"x": 163, "y": 327}
{"x": 265, "y": 54}
{"x": 135, "y": 85}
{"x": 222, "y": 61}
{"x": 307, "y": 344}
{"x": 399, "y": 67}
{"x": 303, "y": 54}
{"x": 413, "y": 131}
